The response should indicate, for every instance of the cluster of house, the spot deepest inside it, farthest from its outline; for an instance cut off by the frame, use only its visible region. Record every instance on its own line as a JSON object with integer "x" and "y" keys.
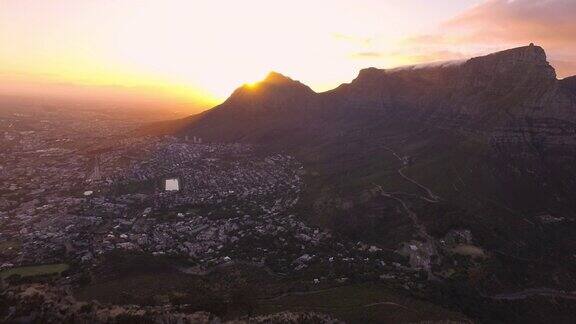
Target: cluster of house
{"x": 225, "y": 204}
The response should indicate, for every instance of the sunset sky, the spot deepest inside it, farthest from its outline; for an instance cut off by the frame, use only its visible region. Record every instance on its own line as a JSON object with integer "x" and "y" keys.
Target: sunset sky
{"x": 197, "y": 51}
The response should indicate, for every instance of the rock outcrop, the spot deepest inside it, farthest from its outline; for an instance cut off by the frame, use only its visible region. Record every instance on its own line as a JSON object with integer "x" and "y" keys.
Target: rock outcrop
{"x": 42, "y": 303}
{"x": 276, "y": 93}
{"x": 479, "y": 93}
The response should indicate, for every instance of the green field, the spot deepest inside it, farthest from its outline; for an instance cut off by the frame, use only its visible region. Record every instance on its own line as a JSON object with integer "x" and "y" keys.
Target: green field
{"x": 31, "y": 271}
{"x": 241, "y": 290}
{"x": 9, "y": 246}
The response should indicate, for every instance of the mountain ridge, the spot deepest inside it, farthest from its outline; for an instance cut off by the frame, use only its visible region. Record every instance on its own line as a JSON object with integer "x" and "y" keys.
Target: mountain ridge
{"x": 497, "y": 73}
{"x": 493, "y": 137}
{"x": 478, "y": 94}
{"x": 494, "y": 95}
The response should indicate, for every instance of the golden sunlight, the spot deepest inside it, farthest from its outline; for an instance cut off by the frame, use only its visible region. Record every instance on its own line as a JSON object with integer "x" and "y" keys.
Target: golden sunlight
{"x": 200, "y": 51}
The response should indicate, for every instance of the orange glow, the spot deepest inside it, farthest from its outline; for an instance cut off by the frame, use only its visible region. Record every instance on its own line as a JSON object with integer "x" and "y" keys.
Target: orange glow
{"x": 199, "y": 51}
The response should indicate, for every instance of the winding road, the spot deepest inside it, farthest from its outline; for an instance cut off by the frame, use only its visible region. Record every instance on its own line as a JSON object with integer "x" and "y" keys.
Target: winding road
{"x": 432, "y": 197}
{"x": 421, "y": 258}
{"x": 549, "y": 292}
{"x": 412, "y": 215}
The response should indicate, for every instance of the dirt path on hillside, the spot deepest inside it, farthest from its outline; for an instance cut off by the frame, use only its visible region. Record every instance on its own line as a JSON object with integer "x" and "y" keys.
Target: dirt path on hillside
{"x": 527, "y": 293}
{"x": 432, "y": 197}
{"x": 422, "y": 255}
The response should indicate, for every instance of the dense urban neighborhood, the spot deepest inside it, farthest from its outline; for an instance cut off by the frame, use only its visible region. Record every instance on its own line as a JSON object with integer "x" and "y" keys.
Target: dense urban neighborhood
{"x": 232, "y": 206}
{"x": 74, "y": 193}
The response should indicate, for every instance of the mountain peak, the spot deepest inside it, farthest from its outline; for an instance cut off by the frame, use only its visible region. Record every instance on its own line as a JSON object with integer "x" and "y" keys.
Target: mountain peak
{"x": 525, "y": 54}
{"x": 275, "y": 81}
{"x": 370, "y": 72}
{"x": 274, "y": 93}
{"x": 478, "y": 93}
{"x": 275, "y": 77}
{"x": 526, "y": 59}
{"x": 521, "y": 64}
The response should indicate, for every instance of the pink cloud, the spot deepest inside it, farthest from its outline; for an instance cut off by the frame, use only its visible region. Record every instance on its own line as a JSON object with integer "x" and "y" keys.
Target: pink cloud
{"x": 505, "y": 23}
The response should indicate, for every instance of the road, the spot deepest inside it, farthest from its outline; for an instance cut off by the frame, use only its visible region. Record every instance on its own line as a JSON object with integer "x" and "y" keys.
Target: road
{"x": 312, "y": 292}
{"x": 422, "y": 257}
{"x": 299, "y": 293}
{"x": 412, "y": 215}
{"x": 432, "y": 197}
{"x": 532, "y": 292}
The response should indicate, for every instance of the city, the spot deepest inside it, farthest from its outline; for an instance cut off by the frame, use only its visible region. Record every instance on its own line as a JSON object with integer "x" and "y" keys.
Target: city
{"x": 291, "y": 162}
{"x": 70, "y": 201}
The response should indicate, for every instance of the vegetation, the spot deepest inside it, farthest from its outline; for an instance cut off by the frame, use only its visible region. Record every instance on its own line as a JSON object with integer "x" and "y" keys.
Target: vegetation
{"x": 32, "y": 271}
{"x": 8, "y": 247}
{"x": 351, "y": 303}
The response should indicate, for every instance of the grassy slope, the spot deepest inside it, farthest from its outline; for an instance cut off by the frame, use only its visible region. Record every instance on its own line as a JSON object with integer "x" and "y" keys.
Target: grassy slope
{"x": 240, "y": 290}
{"x": 362, "y": 303}
{"x": 30, "y": 271}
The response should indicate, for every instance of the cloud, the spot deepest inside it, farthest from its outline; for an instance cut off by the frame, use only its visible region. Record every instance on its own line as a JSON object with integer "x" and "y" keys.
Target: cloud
{"x": 491, "y": 26}
{"x": 506, "y": 23}
{"x": 506, "y": 20}
{"x": 568, "y": 67}
{"x": 368, "y": 55}
{"x": 435, "y": 56}
{"x": 364, "y": 41}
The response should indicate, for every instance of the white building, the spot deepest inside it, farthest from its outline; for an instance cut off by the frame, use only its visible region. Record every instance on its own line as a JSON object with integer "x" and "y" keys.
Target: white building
{"x": 172, "y": 184}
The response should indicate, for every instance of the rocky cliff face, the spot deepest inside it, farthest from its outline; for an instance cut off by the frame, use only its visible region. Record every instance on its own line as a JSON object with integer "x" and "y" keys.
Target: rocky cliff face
{"x": 479, "y": 93}
{"x": 508, "y": 98}
{"x": 507, "y": 95}
{"x": 570, "y": 84}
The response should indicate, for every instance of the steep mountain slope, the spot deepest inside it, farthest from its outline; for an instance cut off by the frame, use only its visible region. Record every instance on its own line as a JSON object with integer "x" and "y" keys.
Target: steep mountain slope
{"x": 506, "y": 90}
{"x": 570, "y": 84}
{"x": 254, "y": 110}
{"x": 411, "y": 154}
{"x": 474, "y": 94}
